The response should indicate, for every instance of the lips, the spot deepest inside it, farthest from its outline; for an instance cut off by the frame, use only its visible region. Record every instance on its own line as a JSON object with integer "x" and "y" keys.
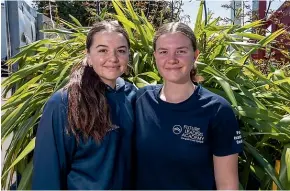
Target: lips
{"x": 173, "y": 68}
{"x": 112, "y": 66}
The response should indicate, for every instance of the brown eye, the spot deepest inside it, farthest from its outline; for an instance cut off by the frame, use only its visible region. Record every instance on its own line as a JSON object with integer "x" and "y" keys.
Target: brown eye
{"x": 103, "y": 50}
{"x": 122, "y": 51}
{"x": 163, "y": 52}
{"x": 181, "y": 52}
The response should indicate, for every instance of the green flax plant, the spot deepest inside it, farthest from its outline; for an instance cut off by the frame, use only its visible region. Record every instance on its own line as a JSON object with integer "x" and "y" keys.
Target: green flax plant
{"x": 261, "y": 102}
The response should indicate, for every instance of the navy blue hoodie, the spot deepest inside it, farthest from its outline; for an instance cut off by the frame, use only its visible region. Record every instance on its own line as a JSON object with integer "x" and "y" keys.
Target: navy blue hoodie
{"x": 62, "y": 163}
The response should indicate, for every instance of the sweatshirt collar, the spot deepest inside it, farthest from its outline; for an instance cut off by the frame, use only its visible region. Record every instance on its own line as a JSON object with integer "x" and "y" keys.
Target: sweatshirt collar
{"x": 120, "y": 83}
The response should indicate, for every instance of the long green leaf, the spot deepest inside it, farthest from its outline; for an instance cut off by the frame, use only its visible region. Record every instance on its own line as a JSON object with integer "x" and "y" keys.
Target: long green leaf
{"x": 23, "y": 154}
{"x": 251, "y": 36}
{"x": 136, "y": 57}
{"x": 284, "y": 175}
{"x": 254, "y": 24}
{"x": 256, "y": 113}
{"x": 263, "y": 43}
{"x": 77, "y": 22}
{"x": 265, "y": 164}
{"x": 118, "y": 6}
{"x": 151, "y": 75}
{"x": 198, "y": 21}
{"x": 25, "y": 182}
{"x": 125, "y": 21}
{"x": 58, "y": 31}
{"x": 227, "y": 88}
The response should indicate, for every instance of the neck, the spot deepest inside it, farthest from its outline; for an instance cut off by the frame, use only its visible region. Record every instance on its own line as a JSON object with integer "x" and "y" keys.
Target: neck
{"x": 176, "y": 93}
{"x": 110, "y": 83}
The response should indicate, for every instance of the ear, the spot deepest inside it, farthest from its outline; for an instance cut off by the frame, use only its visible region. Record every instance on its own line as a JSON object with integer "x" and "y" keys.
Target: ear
{"x": 154, "y": 53}
{"x": 87, "y": 53}
{"x": 196, "y": 54}
{"x": 88, "y": 58}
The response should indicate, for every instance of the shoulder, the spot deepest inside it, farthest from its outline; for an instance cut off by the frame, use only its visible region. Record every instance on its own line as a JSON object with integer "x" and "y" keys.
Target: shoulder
{"x": 220, "y": 109}
{"x": 130, "y": 90}
{"x": 147, "y": 91}
{"x": 58, "y": 99}
{"x": 130, "y": 87}
{"x": 213, "y": 99}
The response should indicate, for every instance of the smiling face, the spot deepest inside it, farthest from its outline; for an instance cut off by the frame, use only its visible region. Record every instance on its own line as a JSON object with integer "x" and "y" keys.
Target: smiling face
{"x": 108, "y": 55}
{"x": 174, "y": 56}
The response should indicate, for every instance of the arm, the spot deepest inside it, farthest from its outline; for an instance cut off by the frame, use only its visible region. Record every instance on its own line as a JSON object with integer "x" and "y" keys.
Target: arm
{"x": 226, "y": 144}
{"x": 49, "y": 154}
{"x": 226, "y": 172}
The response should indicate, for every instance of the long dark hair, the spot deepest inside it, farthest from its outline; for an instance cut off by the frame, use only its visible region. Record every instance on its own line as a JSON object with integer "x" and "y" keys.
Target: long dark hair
{"x": 88, "y": 111}
{"x": 185, "y": 30}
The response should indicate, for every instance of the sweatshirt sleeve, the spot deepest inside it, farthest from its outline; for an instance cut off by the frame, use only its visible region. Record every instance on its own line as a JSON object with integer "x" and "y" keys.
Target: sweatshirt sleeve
{"x": 49, "y": 159}
{"x": 226, "y": 135}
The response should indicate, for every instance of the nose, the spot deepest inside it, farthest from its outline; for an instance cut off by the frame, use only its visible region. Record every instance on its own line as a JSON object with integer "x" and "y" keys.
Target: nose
{"x": 172, "y": 58}
{"x": 113, "y": 57}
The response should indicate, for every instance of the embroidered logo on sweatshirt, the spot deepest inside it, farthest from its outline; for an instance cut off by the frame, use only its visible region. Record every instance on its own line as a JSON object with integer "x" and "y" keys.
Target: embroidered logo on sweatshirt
{"x": 189, "y": 133}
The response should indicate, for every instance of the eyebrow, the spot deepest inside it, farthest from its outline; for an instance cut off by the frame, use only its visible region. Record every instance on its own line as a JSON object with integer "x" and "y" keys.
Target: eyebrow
{"x": 182, "y": 47}
{"x": 105, "y": 46}
{"x": 162, "y": 49}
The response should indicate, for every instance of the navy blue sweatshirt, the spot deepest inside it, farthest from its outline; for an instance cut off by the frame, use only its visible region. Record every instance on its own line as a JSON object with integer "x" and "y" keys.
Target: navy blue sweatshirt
{"x": 62, "y": 163}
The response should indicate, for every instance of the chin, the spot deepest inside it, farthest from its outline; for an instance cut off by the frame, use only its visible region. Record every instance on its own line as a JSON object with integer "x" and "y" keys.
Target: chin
{"x": 112, "y": 76}
{"x": 176, "y": 80}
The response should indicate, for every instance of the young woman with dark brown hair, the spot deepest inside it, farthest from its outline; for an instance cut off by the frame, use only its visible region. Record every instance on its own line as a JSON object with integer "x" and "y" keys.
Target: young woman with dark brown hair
{"x": 84, "y": 136}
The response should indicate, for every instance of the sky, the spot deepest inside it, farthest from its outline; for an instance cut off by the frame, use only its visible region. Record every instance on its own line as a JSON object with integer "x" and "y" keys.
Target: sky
{"x": 191, "y": 8}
